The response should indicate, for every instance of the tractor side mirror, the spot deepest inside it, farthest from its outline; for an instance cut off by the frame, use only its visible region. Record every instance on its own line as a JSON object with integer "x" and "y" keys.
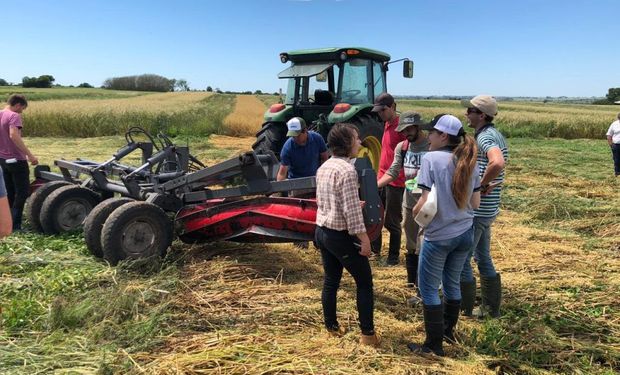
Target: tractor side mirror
{"x": 408, "y": 69}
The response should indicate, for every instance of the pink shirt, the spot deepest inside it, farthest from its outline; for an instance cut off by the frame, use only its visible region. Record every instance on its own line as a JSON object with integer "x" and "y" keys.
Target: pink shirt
{"x": 391, "y": 138}
{"x": 8, "y": 120}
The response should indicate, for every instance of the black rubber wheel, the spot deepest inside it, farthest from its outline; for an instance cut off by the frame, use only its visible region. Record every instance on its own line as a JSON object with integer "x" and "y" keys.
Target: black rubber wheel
{"x": 271, "y": 138}
{"x": 35, "y": 202}
{"x": 66, "y": 208}
{"x": 93, "y": 224}
{"x": 136, "y": 230}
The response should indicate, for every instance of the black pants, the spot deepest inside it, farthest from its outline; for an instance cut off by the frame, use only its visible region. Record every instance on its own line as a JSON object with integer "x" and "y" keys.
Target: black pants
{"x": 338, "y": 251}
{"x": 392, "y": 198}
{"x": 17, "y": 181}
{"x": 615, "y": 151}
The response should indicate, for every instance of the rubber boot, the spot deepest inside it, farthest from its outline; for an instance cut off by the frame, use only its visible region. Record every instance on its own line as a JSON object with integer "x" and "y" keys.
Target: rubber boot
{"x": 491, "y": 291}
{"x": 411, "y": 264}
{"x": 451, "y": 310}
{"x": 468, "y": 297}
{"x": 433, "y": 324}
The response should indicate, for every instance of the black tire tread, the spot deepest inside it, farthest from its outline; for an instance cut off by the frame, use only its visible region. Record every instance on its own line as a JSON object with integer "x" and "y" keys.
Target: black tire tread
{"x": 93, "y": 224}
{"x": 111, "y": 234}
{"x": 35, "y": 202}
{"x": 56, "y": 198}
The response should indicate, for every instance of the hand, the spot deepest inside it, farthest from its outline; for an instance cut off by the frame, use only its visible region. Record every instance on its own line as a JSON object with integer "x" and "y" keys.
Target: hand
{"x": 33, "y": 160}
{"x": 363, "y": 204}
{"x": 487, "y": 189}
{"x": 365, "y": 249}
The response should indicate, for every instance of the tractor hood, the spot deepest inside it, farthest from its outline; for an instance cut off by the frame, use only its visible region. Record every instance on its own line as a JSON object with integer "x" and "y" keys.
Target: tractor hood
{"x": 304, "y": 70}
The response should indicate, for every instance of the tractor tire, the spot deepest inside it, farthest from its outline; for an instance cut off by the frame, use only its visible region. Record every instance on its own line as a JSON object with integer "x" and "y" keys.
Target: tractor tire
{"x": 271, "y": 138}
{"x": 136, "y": 230}
{"x": 35, "y": 202}
{"x": 65, "y": 209}
{"x": 370, "y": 133}
{"x": 93, "y": 224}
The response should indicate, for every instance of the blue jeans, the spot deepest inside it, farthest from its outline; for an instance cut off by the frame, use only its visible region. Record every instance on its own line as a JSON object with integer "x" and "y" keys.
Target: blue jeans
{"x": 442, "y": 261}
{"x": 481, "y": 250}
{"x": 615, "y": 152}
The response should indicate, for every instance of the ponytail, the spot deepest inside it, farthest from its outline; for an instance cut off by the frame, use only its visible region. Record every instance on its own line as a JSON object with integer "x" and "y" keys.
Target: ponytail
{"x": 465, "y": 155}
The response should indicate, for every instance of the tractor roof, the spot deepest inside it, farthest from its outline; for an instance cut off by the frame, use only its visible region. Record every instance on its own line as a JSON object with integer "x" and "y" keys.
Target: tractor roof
{"x": 333, "y": 54}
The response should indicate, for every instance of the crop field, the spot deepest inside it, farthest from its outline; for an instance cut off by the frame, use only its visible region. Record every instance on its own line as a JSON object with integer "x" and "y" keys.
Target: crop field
{"x": 226, "y": 308}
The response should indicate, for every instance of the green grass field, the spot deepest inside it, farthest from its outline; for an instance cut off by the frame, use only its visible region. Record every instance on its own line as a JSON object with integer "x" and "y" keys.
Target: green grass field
{"x": 232, "y": 309}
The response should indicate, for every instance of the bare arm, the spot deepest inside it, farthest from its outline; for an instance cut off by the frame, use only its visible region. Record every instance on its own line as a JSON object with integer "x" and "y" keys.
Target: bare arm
{"x": 6, "y": 223}
{"x": 16, "y": 138}
{"x": 495, "y": 166}
{"x": 384, "y": 180}
{"x": 420, "y": 203}
{"x": 282, "y": 173}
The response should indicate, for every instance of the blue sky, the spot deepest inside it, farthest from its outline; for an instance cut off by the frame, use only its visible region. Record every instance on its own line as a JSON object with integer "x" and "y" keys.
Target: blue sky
{"x": 503, "y": 48}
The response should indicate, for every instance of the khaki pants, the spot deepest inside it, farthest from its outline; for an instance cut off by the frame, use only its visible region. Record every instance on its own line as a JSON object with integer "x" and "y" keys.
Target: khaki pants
{"x": 412, "y": 229}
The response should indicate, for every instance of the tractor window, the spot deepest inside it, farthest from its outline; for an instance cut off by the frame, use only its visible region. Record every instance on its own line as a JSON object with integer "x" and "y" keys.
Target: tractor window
{"x": 316, "y": 85}
{"x": 290, "y": 91}
{"x": 354, "y": 89}
{"x": 379, "y": 79}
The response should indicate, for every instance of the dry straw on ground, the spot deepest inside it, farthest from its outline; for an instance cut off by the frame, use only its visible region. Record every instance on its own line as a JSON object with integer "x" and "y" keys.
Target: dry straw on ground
{"x": 247, "y": 117}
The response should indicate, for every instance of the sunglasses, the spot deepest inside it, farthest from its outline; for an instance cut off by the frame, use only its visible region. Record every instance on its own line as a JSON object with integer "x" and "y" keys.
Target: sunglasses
{"x": 473, "y": 110}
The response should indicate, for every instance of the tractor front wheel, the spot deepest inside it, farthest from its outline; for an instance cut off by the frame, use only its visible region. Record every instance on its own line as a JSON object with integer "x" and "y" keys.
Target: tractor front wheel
{"x": 136, "y": 230}
{"x": 271, "y": 138}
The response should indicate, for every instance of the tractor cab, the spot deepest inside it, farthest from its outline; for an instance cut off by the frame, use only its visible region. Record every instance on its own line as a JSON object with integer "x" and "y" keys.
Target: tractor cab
{"x": 327, "y": 86}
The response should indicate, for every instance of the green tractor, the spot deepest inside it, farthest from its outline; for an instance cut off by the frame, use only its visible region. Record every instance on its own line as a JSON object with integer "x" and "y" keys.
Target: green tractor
{"x": 327, "y": 86}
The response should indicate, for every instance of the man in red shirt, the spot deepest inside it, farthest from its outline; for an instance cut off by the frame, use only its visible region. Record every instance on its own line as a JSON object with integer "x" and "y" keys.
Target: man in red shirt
{"x": 392, "y": 194}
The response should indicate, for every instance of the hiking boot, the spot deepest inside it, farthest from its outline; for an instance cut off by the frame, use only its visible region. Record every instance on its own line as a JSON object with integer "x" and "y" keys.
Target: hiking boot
{"x": 434, "y": 327}
{"x": 373, "y": 340}
{"x": 336, "y": 332}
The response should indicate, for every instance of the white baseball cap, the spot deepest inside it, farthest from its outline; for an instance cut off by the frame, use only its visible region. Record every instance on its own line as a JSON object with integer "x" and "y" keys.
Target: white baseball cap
{"x": 446, "y": 124}
{"x": 295, "y": 126}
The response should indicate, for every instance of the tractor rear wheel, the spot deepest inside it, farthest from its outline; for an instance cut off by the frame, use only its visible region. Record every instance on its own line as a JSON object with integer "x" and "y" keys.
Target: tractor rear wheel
{"x": 93, "y": 224}
{"x": 136, "y": 230}
{"x": 35, "y": 202}
{"x": 66, "y": 208}
{"x": 370, "y": 133}
{"x": 271, "y": 138}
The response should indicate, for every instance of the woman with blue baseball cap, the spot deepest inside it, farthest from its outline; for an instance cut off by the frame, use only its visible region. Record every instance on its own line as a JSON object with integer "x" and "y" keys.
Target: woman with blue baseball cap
{"x": 451, "y": 168}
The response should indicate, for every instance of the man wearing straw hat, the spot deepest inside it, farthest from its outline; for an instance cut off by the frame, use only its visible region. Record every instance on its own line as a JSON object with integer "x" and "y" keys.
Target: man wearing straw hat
{"x": 492, "y": 156}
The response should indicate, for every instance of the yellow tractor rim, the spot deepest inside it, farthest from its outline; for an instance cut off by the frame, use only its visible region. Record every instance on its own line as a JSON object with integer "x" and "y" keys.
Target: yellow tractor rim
{"x": 371, "y": 148}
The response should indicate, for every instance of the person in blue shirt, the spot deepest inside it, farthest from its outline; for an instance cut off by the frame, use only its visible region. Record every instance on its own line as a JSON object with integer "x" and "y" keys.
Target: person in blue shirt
{"x": 6, "y": 223}
{"x": 303, "y": 153}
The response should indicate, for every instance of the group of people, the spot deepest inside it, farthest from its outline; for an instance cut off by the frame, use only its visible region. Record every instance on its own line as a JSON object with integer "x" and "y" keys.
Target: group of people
{"x": 14, "y": 171}
{"x": 464, "y": 174}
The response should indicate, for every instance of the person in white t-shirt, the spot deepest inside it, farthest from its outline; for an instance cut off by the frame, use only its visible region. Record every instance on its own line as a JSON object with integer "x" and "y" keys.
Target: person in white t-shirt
{"x": 613, "y": 138}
